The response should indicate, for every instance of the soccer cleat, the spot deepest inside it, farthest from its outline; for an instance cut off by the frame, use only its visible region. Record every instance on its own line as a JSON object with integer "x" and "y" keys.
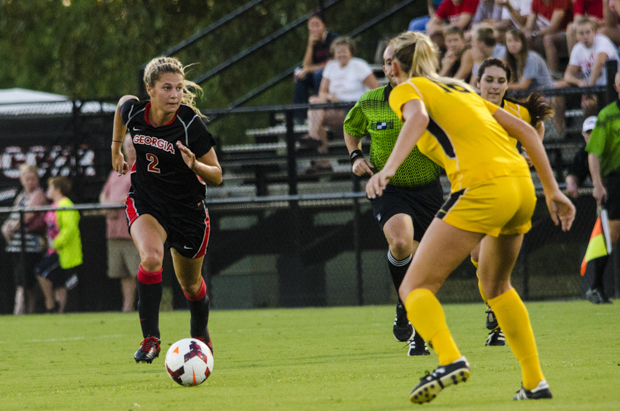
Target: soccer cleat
{"x": 597, "y": 296}
{"x": 417, "y": 346}
{"x": 206, "y": 338}
{"x": 539, "y": 393}
{"x": 149, "y": 350}
{"x": 496, "y": 337}
{"x": 491, "y": 319}
{"x": 403, "y": 330}
{"x": 443, "y": 376}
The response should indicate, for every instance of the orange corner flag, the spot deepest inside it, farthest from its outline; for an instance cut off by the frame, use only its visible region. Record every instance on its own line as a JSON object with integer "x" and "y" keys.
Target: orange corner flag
{"x": 599, "y": 241}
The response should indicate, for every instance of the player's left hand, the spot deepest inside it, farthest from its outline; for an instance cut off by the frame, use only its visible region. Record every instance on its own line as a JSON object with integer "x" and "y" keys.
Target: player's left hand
{"x": 561, "y": 209}
{"x": 188, "y": 156}
{"x": 377, "y": 183}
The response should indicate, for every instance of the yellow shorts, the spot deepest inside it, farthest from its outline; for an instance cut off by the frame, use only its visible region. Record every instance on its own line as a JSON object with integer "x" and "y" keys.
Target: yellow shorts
{"x": 502, "y": 205}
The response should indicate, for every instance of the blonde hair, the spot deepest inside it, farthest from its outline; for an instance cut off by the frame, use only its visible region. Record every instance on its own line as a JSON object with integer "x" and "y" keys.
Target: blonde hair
{"x": 160, "y": 65}
{"x": 417, "y": 55}
{"x": 343, "y": 41}
{"x": 28, "y": 168}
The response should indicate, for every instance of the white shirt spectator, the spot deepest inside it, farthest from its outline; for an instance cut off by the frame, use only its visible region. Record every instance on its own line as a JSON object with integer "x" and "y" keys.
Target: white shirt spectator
{"x": 347, "y": 83}
{"x": 584, "y": 57}
{"x": 524, "y": 7}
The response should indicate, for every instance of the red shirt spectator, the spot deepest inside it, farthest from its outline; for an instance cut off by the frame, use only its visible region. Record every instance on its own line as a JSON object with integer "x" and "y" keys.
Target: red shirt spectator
{"x": 592, "y": 8}
{"x": 545, "y": 10}
{"x": 452, "y": 9}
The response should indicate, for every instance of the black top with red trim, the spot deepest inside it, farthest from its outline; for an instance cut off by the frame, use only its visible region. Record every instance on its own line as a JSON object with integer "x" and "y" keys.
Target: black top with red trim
{"x": 159, "y": 173}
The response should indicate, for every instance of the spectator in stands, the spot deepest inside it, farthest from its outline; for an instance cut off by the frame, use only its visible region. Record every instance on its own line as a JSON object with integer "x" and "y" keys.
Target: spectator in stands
{"x": 487, "y": 12}
{"x": 58, "y": 269}
{"x": 123, "y": 256}
{"x": 579, "y": 171}
{"x": 23, "y": 268}
{"x": 592, "y": 9}
{"x": 545, "y": 29}
{"x": 604, "y": 162}
{"x": 611, "y": 20}
{"x": 457, "y": 61}
{"x": 483, "y": 46}
{"x": 529, "y": 70}
{"x": 586, "y": 66}
{"x": 309, "y": 76}
{"x": 514, "y": 13}
{"x": 345, "y": 78}
{"x": 450, "y": 12}
{"x": 419, "y": 23}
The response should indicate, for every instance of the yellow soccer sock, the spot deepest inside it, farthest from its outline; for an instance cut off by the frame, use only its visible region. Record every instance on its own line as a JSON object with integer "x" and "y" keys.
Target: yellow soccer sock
{"x": 515, "y": 322}
{"x": 427, "y": 317}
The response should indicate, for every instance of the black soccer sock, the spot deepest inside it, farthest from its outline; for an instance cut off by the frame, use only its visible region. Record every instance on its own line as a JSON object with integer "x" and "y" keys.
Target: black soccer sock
{"x": 199, "y": 309}
{"x": 149, "y": 297}
{"x": 599, "y": 271}
{"x": 398, "y": 269}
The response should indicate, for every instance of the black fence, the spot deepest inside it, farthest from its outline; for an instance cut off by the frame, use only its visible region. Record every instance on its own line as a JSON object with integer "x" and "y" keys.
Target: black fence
{"x": 281, "y": 237}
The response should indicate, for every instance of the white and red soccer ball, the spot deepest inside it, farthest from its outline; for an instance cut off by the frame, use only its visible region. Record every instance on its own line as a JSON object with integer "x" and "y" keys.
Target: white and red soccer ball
{"x": 189, "y": 362}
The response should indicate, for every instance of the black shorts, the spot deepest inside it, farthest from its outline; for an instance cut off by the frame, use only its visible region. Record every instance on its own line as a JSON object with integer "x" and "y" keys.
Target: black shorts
{"x": 612, "y": 185}
{"x": 49, "y": 268}
{"x": 23, "y": 268}
{"x": 187, "y": 227}
{"x": 421, "y": 204}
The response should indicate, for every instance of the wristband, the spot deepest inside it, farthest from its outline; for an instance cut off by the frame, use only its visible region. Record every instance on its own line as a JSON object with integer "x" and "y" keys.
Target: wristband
{"x": 355, "y": 154}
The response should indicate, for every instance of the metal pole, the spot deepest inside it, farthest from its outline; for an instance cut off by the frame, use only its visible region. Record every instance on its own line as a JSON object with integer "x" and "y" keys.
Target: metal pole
{"x": 291, "y": 161}
{"x": 356, "y": 241}
{"x": 22, "y": 251}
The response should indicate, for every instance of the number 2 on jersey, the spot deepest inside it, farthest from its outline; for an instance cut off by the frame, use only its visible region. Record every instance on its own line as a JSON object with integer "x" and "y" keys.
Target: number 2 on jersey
{"x": 153, "y": 162}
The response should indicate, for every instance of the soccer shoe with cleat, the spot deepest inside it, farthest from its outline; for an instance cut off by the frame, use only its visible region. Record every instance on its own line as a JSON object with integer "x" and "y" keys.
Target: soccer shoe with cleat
{"x": 597, "y": 296}
{"x": 206, "y": 338}
{"x": 417, "y": 346}
{"x": 496, "y": 337}
{"x": 491, "y": 319}
{"x": 403, "y": 330}
{"x": 149, "y": 350}
{"x": 432, "y": 383}
{"x": 539, "y": 393}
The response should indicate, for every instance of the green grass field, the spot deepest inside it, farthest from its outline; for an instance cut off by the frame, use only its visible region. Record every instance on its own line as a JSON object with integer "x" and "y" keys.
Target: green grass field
{"x": 303, "y": 359}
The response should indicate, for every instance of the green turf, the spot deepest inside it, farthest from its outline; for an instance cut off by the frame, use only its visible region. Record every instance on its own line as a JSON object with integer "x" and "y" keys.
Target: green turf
{"x": 303, "y": 359}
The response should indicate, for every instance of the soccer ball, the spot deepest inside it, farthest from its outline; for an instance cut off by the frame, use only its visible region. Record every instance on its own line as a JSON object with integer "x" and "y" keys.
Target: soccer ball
{"x": 189, "y": 362}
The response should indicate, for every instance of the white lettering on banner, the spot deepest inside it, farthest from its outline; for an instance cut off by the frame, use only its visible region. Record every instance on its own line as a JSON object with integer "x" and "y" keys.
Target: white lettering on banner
{"x": 154, "y": 142}
{"x": 57, "y": 159}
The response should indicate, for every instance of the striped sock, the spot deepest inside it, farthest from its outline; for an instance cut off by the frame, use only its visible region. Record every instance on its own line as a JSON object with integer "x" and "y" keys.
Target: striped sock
{"x": 149, "y": 296}
{"x": 398, "y": 269}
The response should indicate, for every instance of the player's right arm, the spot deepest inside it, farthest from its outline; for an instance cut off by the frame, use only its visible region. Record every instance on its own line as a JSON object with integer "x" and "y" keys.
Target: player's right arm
{"x": 560, "y": 207}
{"x": 118, "y": 135}
{"x": 354, "y": 128}
{"x": 361, "y": 166}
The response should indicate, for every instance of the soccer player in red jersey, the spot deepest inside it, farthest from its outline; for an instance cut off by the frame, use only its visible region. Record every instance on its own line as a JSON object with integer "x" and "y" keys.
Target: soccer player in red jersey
{"x": 165, "y": 205}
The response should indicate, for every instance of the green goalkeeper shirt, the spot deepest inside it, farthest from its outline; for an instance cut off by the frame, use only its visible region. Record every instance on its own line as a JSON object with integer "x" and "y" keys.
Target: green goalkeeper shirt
{"x": 372, "y": 115}
{"x": 605, "y": 139}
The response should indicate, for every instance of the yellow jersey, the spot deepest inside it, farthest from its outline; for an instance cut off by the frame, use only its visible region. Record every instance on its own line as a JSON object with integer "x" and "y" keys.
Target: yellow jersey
{"x": 518, "y": 111}
{"x": 462, "y": 135}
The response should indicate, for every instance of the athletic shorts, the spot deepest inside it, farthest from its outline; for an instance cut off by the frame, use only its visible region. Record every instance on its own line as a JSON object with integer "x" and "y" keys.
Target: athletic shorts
{"x": 49, "y": 268}
{"x": 123, "y": 258}
{"x": 420, "y": 204}
{"x": 502, "y": 205}
{"x": 187, "y": 227}
{"x": 612, "y": 185}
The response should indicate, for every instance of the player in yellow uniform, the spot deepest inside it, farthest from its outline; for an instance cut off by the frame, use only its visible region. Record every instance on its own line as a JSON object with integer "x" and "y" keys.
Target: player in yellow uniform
{"x": 493, "y": 78}
{"x": 492, "y": 201}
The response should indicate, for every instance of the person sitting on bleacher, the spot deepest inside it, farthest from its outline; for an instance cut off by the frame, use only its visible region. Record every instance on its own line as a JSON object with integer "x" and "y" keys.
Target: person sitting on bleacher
{"x": 450, "y": 12}
{"x": 484, "y": 45}
{"x": 457, "y": 61}
{"x": 419, "y": 23}
{"x": 586, "y": 66}
{"x": 514, "y": 13}
{"x": 611, "y": 21}
{"x": 345, "y": 78}
{"x": 593, "y": 9}
{"x": 309, "y": 76}
{"x": 529, "y": 70}
{"x": 490, "y": 12}
{"x": 545, "y": 29}
{"x": 579, "y": 170}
